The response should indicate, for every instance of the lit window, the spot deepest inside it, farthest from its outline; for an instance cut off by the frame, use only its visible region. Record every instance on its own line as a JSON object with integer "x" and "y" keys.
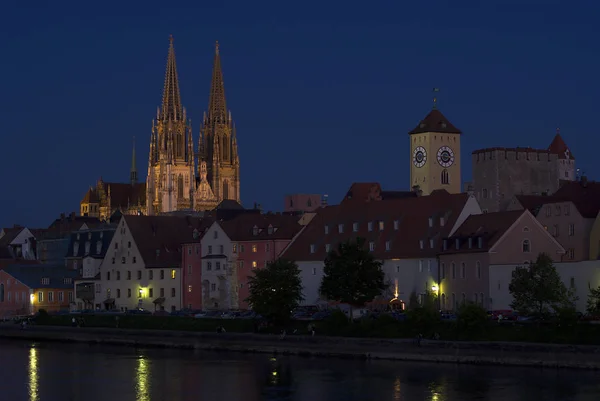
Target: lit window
{"x": 254, "y": 264}
{"x": 254, "y": 248}
{"x": 173, "y": 273}
{"x": 381, "y": 225}
{"x": 189, "y": 288}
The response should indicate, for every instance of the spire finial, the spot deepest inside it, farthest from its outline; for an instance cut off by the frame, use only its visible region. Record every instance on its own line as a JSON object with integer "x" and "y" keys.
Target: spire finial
{"x": 435, "y": 90}
{"x": 171, "y": 39}
{"x": 217, "y": 47}
{"x": 558, "y": 131}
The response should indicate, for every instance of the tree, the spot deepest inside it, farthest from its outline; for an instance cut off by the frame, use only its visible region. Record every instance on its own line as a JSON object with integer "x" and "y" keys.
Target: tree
{"x": 472, "y": 319}
{"x": 538, "y": 290}
{"x": 276, "y": 290}
{"x": 423, "y": 315}
{"x": 352, "y": 275}
{"x": 593, "y": 302}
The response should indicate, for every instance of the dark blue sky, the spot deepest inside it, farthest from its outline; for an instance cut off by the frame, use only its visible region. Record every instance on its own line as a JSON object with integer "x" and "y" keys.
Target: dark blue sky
{"x": 323, "y": 93}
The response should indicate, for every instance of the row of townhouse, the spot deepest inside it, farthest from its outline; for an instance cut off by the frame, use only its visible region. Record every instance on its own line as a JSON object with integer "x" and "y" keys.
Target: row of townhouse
{"x": 444, "y": 243}
{"x": 175, "y": 262}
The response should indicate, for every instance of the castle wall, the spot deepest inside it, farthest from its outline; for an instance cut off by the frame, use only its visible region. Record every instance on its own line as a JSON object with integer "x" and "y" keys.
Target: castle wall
{"x": 499, "y": 174}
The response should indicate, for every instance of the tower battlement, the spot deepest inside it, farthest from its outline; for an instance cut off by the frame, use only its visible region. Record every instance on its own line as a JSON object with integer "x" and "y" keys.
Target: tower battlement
{"x": 513, "y": 154}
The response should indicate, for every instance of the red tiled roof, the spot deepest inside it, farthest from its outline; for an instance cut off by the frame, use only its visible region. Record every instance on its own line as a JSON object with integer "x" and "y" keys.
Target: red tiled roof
{"x": 559, "y": 147}
{"x": 584, "y": 194}
{"x": 435, "y": 121}
{"x": 242, "y": 227}
{"x": 159, "y": 238}
{"x": 412, "y": 215}
{"x": 488, "y": 226}
{"x": 363, "y": 192}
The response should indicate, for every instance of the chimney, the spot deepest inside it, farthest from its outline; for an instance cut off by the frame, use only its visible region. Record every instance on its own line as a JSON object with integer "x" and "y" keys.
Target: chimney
{"x": 417, "y": 189}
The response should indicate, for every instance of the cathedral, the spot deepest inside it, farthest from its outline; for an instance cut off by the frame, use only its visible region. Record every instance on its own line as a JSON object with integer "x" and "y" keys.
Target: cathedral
{"x": 179, "y": 177}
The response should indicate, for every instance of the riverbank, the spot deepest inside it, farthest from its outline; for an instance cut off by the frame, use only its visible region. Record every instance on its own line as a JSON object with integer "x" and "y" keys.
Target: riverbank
{"x": 477, "y": 353}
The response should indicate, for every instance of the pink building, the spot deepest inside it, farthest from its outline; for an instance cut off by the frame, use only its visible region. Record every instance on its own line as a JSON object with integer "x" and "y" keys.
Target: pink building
{"x": 303, "y": 202}
{"x": 191, "y": 275}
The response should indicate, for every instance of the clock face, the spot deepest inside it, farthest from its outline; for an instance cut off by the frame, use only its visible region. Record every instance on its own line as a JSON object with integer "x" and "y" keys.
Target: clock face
{"x": 419, "y": 156}
{"x": 445, "y": 156}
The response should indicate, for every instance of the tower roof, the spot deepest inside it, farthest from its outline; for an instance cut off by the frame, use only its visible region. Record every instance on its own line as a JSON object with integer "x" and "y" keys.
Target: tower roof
{"x": 559, "y": 147}
{"x": 435, "y": 121}
{"x": 217, "y": 108}
{"x": 171, "y": 101}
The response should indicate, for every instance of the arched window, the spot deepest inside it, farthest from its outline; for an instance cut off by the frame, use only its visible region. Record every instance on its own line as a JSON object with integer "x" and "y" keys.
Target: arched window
{"x": 225, "y": 189}
{"x": 443, "y": 302}
{"x": 180, "y": 186}
{"x": 445, "y": 179}
{"x": 463, "y": 270}
{"x": 526, "y": 246}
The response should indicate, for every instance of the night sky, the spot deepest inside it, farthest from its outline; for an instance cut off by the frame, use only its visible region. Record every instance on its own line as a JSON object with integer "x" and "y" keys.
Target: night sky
{"x": 323, "y": 92}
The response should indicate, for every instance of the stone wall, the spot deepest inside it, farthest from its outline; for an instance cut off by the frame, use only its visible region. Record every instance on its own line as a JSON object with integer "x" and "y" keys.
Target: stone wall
{"x": 501, "y": 173}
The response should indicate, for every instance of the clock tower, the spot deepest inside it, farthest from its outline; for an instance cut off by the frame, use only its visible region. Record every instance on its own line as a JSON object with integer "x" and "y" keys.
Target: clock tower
{"x": 435, "y": 154}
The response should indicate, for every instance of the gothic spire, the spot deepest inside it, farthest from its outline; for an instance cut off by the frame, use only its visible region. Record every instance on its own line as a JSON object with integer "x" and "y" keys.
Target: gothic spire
{"x": 217, "y": 110}
{"x": 133, "y": 172}
{"x": 171, "y": 101}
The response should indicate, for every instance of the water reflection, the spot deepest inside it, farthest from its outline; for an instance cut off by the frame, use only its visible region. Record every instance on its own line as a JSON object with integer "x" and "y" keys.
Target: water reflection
{"x": 124, "y": 374}
{"x": 142, "y": 378}
{"x": 33, "y": 374}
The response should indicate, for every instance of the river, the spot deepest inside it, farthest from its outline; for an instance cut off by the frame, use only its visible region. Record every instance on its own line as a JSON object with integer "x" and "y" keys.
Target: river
{"x": 51, "y": 372}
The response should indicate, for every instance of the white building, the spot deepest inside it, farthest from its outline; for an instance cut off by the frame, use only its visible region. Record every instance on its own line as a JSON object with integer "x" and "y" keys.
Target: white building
{"x": 142, "y": 266}
{"x": 406, "y": 234}
{"x": 578, "y": 275}
{"x": 219, "y": 278}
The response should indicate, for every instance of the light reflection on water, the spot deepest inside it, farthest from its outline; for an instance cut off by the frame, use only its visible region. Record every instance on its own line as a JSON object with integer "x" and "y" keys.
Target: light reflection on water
{"x": 142, "y": 377}
{"x": 33, "y": 374}
{"x": 93, "y": 373}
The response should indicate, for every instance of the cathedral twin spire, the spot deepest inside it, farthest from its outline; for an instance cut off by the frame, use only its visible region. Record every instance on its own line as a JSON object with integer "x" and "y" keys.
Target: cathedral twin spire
{"x": 172, "y": 144}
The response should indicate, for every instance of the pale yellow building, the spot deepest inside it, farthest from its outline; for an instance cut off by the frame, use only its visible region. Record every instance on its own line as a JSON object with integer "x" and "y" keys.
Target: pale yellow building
{"x": 435, "y": 155}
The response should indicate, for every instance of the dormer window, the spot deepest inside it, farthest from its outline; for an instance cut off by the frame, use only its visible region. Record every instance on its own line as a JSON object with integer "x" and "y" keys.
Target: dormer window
{"x": 340, "y": 228}
{"x": 98, "y": 247}
{"x": 431, "y": 222}
{"x": 270, "y": 229}
{"x": 381, "y": 226}
{"x": 75, "y": 248}
{"x": 525, "y": 229}
{"x": 78, "y": 236}
{"x": 355, "y": 227}
{"x": 431, "y": 243}
{"x": 442, "y": 221}
{"x": 457, "y": 243}
{"x": 255, "y": 230}
{"x": 158, "y": 253}
{"x": 396, "y": 224}
{"x": 326, "y": 229}
{"x": 89, "y": 235}
{"x": 470, "y": 243}
{"x": 421, "y": 244}
{"x": 312, "y": 248}
{"x": 480, "y": 242}
{"x": 445, "y": 245}
{"x": 370, "y": 226}
{"x": 101, "y": 234}
{"x": 87, "y": 248}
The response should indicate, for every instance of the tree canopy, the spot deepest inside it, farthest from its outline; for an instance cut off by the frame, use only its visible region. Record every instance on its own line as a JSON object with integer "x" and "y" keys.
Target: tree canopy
{"x": 276, "y": 290}
{"x": 352, "y": 275}
{"x": 593, "y": 301}
{"x": 538, "y": 290}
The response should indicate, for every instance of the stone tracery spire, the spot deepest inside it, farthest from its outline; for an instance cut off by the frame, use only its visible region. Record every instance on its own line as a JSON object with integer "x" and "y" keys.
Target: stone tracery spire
{"x": 171, "y": 101}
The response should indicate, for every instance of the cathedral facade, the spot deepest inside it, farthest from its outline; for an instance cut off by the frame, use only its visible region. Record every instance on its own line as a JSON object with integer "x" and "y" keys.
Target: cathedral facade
{"x": 180, "y": 176}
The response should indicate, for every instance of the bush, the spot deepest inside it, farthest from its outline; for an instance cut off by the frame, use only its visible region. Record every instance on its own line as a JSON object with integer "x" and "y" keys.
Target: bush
{"x": 472, "y": 320}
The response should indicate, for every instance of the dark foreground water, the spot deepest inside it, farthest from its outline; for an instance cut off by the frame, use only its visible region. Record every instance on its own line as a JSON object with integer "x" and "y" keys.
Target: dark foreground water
{"x": 54, "y": 372}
